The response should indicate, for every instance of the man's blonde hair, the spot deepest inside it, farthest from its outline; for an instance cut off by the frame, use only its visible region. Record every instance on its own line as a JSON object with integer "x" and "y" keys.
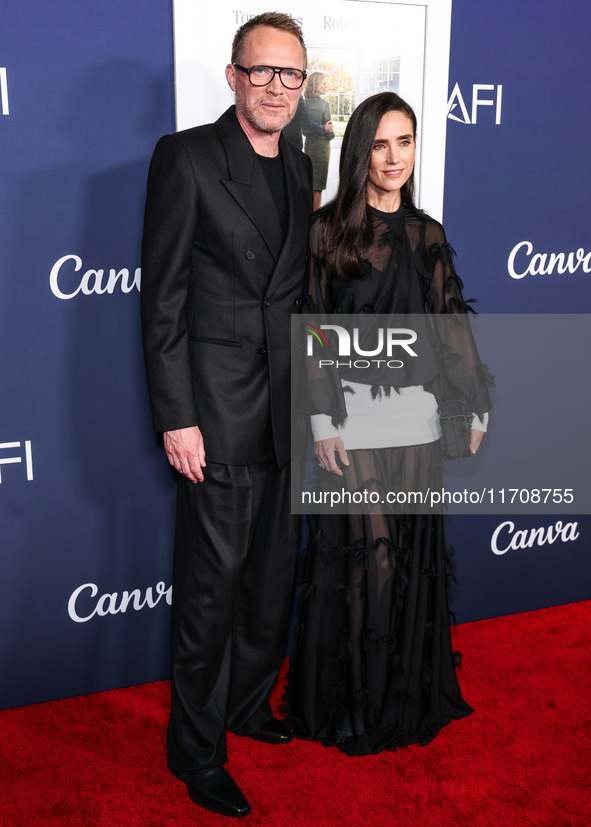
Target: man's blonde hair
{"x": 274, "y": 19}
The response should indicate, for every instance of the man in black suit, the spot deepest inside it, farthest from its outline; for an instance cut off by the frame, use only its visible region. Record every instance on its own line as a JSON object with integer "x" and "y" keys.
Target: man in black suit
{"x": 223, "y": 263}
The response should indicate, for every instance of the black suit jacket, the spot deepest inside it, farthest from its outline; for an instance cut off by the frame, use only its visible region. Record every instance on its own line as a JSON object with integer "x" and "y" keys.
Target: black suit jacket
{"x": 218, "y": 288}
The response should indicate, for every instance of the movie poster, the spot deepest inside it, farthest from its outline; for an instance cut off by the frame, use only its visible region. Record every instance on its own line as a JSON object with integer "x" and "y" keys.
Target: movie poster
{"x": 361, "y": 48}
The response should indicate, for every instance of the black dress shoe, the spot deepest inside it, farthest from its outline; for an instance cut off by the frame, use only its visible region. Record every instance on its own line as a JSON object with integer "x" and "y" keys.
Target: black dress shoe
{"x": 273, "y": 732}
{"x": 216, "y": 790}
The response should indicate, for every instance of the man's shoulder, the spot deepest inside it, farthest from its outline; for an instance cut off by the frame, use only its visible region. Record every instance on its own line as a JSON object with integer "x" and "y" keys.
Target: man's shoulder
{"x": 196, "y": 133}
{"x": 195, "y": 136}
{"x": 203, "y": 134}
{"x": 185, "y": 143}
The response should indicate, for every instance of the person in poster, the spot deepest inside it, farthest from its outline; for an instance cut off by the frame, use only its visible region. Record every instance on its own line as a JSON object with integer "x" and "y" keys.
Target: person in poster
{"x": 317, "y": 147}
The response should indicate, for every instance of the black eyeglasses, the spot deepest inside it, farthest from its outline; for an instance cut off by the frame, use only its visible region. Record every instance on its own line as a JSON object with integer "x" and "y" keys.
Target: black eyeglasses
{"x": 263, "y": 75}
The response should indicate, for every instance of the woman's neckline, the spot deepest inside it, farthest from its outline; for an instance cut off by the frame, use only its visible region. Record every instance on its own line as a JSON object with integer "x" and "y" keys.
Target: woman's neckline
{"x": 383, "y": 214}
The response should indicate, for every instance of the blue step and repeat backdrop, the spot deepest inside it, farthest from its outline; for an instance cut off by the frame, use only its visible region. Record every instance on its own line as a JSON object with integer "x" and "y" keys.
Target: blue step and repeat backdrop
{"x": 86, "y": 496}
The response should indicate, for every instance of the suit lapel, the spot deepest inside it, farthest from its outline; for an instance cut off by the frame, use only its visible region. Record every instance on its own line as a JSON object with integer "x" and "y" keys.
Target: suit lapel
{"x": 247, "y": 182}
{"x": 299, "y": 201}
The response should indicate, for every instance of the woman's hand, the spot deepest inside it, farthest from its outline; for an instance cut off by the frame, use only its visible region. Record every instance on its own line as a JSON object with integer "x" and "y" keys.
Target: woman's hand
{"x": 475, "y": 439}
{"x": 327, "y": 451}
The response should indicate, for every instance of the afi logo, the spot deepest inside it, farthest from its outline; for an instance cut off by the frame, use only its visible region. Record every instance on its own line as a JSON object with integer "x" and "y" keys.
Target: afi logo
{"x": 4, "y": 91}
{"x": 483, "y": 94}
{"x": 18, "y": 458}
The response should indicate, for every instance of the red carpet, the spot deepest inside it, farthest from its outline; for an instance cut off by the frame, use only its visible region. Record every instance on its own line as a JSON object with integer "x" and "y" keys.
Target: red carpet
{"x": 522, "y": 758}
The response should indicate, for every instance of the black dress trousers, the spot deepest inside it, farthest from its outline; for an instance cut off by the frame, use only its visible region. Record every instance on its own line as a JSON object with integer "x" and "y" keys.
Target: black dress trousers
{"x": 234, "y": 565}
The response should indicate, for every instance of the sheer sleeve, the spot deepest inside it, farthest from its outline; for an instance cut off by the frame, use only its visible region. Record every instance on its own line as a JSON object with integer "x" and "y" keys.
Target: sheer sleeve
{"x": 325, "y": 394}
{"x": 317, "y": 296}
{"x": 463, "y": 374}
{"x": 443, "y": 287}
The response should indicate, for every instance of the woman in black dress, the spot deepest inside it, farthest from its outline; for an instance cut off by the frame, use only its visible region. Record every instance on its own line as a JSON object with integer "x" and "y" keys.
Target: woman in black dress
{"x": 374, "y": 667}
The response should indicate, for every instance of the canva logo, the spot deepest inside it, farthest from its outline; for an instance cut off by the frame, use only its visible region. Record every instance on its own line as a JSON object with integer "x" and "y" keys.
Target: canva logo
{"x": 522, "y": 263}
{"x": 493, "y": 96}
{"x": 65, "y": 283}
{"x": 83, "y": 605}
{"x": 21, "y": 453}
{"x": 4, "y": 91}
{"x": 505, "y": 538}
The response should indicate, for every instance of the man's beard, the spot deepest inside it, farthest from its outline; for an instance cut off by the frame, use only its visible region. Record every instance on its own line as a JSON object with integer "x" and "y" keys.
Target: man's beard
{"x": 266, "y": 122}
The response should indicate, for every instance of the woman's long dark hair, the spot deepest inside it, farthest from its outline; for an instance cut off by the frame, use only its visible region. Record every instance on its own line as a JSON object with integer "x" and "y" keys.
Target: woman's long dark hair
{"x": 349, "y": 229}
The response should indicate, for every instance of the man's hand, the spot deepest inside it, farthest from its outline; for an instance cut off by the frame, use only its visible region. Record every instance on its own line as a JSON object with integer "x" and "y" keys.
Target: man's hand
{"x": 327, "y": 450}
{"x": 329, "y": 126}
{"x": 186, "y": 452}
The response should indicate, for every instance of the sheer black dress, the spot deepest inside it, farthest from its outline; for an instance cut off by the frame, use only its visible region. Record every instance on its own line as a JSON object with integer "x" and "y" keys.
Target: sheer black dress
{"x": 373, "y": 666}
